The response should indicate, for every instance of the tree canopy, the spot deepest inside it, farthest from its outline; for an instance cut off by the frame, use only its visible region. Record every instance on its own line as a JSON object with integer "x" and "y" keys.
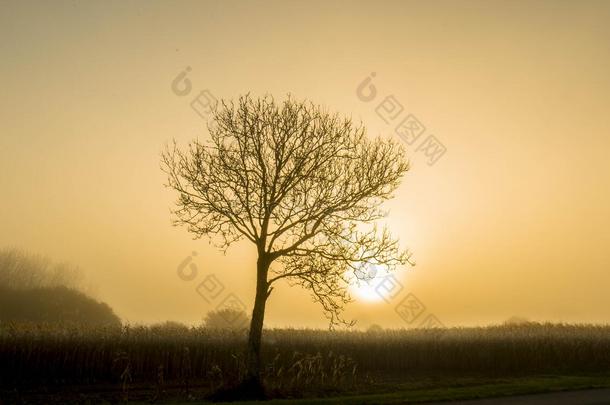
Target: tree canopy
{"x": 297, "y": 181}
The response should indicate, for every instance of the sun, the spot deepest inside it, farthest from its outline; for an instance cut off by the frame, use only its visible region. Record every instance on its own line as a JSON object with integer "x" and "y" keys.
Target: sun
{"x": 364, "y": 280}
{"x": 365, "y": 291}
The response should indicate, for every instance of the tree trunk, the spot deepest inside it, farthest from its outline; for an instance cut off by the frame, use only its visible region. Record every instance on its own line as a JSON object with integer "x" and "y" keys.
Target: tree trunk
{"x": 256, "y": 325}
{"x": 251, "y": 388}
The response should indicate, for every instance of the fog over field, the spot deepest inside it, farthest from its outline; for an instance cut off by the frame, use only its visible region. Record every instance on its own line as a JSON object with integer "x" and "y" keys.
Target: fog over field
{"x": 511, "y": 221}
{"x": 352, "y": 201}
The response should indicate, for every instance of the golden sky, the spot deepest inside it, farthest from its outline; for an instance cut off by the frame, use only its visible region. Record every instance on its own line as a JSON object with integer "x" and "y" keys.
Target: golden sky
{"x": 512, "y": 220}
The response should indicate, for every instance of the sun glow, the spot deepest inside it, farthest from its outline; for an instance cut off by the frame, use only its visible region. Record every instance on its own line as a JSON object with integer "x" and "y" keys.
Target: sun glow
{"x": 364, "y": 282}
{"x": 365, "y": 291}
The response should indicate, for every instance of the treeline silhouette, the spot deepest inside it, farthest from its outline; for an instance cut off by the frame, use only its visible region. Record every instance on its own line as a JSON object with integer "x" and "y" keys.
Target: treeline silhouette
{"x": 33, "y": 289}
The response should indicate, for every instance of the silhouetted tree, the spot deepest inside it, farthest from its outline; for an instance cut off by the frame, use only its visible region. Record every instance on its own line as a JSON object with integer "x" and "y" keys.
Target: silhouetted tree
{"x": 374, "y": 328}
{"x": 169, "y": 327}
{"x": 21, "y": 270}
{"x": 34, "y": 289}
{"x": 226, "y": 318}
{"x": 59, "y": 305}
{"x": 299, "y": 183}
{"x": 517, "y": 321}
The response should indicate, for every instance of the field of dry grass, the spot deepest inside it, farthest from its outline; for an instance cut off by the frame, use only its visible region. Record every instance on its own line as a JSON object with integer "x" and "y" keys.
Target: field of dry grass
{"x": 192, "y": 362}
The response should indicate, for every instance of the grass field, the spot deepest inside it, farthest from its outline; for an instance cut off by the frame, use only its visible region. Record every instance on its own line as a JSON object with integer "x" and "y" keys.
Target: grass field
{"x": 178, "y": 364}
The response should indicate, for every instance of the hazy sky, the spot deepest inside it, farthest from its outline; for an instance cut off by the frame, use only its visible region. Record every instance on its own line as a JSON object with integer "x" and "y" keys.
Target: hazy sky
{"x": 512, "y": 220}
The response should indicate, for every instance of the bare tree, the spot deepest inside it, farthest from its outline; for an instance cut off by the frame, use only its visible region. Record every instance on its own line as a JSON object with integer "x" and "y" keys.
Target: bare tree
{"x": 302, "y": 184}
{"x": 23, "y": 270}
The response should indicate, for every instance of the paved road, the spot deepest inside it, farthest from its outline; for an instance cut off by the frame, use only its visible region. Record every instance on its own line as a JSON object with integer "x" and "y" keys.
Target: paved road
{"x": 584, "y": 397}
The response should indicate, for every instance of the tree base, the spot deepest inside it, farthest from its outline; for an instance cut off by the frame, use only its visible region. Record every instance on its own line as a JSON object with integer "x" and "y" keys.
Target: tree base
{"x": 250, "y": 389}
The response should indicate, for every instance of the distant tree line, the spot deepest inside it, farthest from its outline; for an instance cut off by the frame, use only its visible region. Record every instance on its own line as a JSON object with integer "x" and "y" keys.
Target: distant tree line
{"x": 34, "y": 289}
{"x": 22, "y": 270}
